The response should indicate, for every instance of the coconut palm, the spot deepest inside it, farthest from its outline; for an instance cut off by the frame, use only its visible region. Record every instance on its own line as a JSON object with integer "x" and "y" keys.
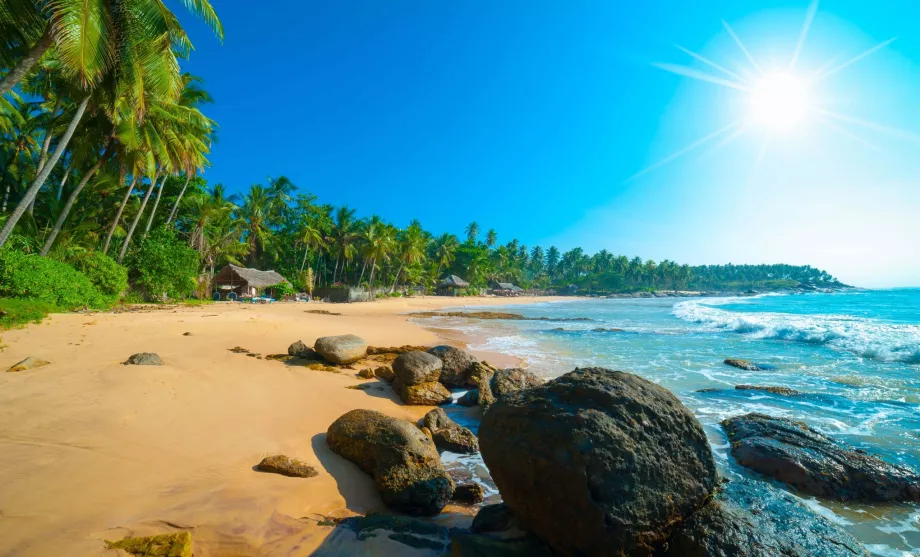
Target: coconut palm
{"x": 445, "y": 249}
{"x": 491, "y": 237}
{"x": 472, "y": 232}
{"x": 411, "y": 247}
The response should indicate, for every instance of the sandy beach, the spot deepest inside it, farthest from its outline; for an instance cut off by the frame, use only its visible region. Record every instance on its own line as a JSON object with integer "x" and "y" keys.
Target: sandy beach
{"x": 94, "y": 450}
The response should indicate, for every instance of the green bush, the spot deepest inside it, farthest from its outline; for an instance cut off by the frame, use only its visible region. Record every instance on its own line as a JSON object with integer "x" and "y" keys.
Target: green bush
{"x": 164, "y": 265}
{"x": 19, "y": 313}
{"x": 108, "y": 276}
{"x": 281, "y": 289}
{"x": 47, "y": 280}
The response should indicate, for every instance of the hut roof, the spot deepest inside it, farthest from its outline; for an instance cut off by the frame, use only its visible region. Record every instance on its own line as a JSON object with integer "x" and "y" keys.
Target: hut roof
{"x": 508, "y": 286}
{"x": 257, "y": 278}
{"x": 454, "y": 280}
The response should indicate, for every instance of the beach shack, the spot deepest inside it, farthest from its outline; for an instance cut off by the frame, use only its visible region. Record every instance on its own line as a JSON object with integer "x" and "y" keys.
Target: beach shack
{"x": 234, "y": 282}
{"x": 451, "y": 286}
{"x": 506, "y": 289}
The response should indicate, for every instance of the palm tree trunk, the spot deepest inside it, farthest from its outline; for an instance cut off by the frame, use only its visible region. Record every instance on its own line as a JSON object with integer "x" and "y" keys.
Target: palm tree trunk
{"x": 363, "y": 267}
{"x": 46, "y": 144}
{"x": 156, "y": 204}
{"x": 69, "y": 205}
{"x": 303, "y": 263}
{"x": 175, "y": 207}
{"x": 61, "y": 185}
{"x": 43, "y": 175}
{"x": 9, "y": 185}
{"x": 395, "y": 280}
{"x": 25, "y": 64}
{"x": 117, "y": 219}
{"x": 137, "y": 218}
{"x": 373, "y": 268}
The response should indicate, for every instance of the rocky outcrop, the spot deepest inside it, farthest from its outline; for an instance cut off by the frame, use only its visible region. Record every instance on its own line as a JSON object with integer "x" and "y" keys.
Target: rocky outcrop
{"x": 403, "y": 462}
{"x": 742, "y": 364}
{"x": 301, "y": 350}
{"x": 613, "y": 461}
{"x": 494, "y": 386}
{"x": 178, "y": 544}
{"x": 455, "y": 364}
{"x": 341, "y": 349}
{"x": 495, "y": 532}
{"x": 448, "y": 435}
{"x": 476, "y": 371}
{"x": 784, "y": 391}
{"x": 493, "y": 518}
{"x": 470, "y": 492}
{"x": 414, "y": 368}
{"x": 792, "y": 453}
{"x": 27, "y": 364}
{"x": 431, "y": 393}
{"x": 286, "y": 466}
{"x": 384, "y": 535}
{"x": 144, "y": 359}
{"x": 469, "y": 398}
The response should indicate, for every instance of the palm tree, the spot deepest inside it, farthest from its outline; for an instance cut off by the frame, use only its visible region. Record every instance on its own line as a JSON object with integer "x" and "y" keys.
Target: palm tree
{"x": 256, "y": 212}
{"x": 412, "y": 243}
{"x": 491, "y": 237}
{"x": 445, "y": 248}
{"x": 344, "y": 233}
{"x": 472, "y": 232}
{"x": 312, "y": 238}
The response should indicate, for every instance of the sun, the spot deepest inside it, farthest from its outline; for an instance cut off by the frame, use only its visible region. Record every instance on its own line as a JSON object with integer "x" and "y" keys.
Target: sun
{"x": 779, "y": 101}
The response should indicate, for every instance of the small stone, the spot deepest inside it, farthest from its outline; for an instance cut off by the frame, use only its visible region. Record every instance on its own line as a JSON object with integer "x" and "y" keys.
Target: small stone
{"x": 742, "y": 364}
{"x": 448, "y": 435}
{"x": 301, "y": 350}
{"x": 27, "y": 364}
{"x": 144, "y": 359}
{"x": 186, "y": 334}
{"x": 785, "y": 391}
{"x": 286, "y": 466}
{"x": 469, "y": 493}
{"x": 385, "y": 373}
{"x": 366, "y": 373}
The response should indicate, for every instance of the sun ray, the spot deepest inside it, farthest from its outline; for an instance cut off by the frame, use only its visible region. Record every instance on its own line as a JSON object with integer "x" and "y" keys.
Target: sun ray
{"x": 867, "y": 124}
{"x": 726, "y": 141}
{"x": 712, "y": 64}
{"x": 682, "y": 152}
{"x": 742, "y": 47}
{"x": 851, "y": 135}
{"x": 853, "y": 60}
{"x": 809, "y": 18}
{"x": 701, "y": 76}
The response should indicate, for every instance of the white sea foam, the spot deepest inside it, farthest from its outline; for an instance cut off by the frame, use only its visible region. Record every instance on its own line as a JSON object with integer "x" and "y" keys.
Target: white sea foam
{"x": 867, "y": 338}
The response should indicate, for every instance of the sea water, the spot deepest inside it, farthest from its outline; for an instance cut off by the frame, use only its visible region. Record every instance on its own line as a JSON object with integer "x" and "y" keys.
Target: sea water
{"x": 854, "y": 356}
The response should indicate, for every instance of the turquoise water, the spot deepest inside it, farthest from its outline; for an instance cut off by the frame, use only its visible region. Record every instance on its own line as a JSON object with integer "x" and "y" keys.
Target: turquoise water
{"x": 854, "y": 355}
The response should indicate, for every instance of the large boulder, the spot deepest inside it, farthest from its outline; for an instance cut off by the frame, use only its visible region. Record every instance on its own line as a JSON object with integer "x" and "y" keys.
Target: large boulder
{"x": 414, "y": 368}
{"x": 341, "y": 349}
{"x": 455, "y": 364}
{"x": 793, "y": 453}
{"x": 430, "y": 393}
{"x": 494, "y": 386}
{"x": 469, "y": 398}
{"x": 598, "y": 462}
{"x": 448, "y": 435}
{"x": 476, "y": 371}
{"x": 403, "y": 462}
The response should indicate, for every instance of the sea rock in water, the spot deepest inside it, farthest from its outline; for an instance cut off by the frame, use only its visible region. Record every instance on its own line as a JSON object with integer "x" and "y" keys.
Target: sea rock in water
{"x": 178, "y": 544}
{"x": 383, "y": 535}
{"x": 742, "y": 364}
{"x": 455, "y": 363}
{"x": 785, "y": 391}
{"x": 754, "y": 519}
{"x": 385, "y": 373}
{"x": 286, "y": 466}
{"x": 471, "y": 492}
{"x": 144, "y": 359}
{"x": 301, "y": 350}
{"x": 404, "y": 464}
{"x": 448, "y": 435}
{"x": 27, "y": 364}
{"x": 341, "y": 349}
{"x": 431, "y": 393}
{"x": 613, "y": 461}
{"x": 793, "y": 453}
{"x": 413, "y": 368}
{"x": 469, "y": 398}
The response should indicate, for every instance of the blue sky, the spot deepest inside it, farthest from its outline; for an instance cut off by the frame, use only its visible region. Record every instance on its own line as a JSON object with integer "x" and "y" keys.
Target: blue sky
{"x": 531, "y": 117}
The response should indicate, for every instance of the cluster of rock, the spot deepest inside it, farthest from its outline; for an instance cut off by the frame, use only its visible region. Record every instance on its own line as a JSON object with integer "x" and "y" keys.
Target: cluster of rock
{"x": 417, "y": 377}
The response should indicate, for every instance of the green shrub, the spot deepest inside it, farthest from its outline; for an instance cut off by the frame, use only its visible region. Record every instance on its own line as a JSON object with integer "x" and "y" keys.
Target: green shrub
{"x": 19, "y": 313}
{"x": 281, "y": 289}
{"x": 108, "y": 276}
{"x": 47, "y": 280}
{"x": 164, "y": 265}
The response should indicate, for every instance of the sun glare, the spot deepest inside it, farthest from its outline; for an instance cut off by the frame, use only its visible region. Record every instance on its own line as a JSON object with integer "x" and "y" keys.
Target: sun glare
{"x": 779, "y": 101}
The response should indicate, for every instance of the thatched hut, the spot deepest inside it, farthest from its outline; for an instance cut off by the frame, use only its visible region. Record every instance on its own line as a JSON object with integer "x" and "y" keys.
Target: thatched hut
{"x": 451, "y": 285}
{"x": 506, "y": 289}
{"x": 246, "y": 283}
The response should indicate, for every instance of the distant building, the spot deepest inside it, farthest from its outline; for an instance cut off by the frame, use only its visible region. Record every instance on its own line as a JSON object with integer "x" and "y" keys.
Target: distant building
{"x": 506, "y": 289}
{"x": 245, "y": 283}
{"x": 451, "y": 285}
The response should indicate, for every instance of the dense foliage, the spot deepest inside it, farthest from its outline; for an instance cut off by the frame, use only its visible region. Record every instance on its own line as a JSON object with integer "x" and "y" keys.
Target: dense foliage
{"x": 47, "y": 280}
{"x": 164, "y": 266}
{"x": 20, "y": 312}
{"x": 108, "y": 276}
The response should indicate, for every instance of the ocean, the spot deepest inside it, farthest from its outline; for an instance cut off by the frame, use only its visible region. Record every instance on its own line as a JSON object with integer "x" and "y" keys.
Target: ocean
{"x": 854, "y": 355}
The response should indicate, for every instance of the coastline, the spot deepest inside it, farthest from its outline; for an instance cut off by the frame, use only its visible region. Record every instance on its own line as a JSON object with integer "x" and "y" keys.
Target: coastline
{"x": 95, "y": 450}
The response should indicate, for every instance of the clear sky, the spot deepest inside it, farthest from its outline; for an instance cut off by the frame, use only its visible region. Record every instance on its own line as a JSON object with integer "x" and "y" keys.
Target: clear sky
{"x": 534, "y": 118}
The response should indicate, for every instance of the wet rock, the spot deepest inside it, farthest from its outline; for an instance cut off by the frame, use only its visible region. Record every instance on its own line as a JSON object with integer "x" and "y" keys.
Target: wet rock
{"x": 507, "y": 381}
{"x": 178, "y": 544}
{"x": 476, "y": 545}
{"x": 413, "y": 368}
{"x": 341, "y": 349}
{"x": 753, "y": 519}
{"x": 448, "y": 435}
{"x": 493, "y": 518}
{"x": 301, "y": 350}
{"x": 613, "y": 461}
{"x": 431, "y": 393}
{"x": 383, "y": 535}
{"x": 144, "y": 359}
{"x": 793, "y": 453}
{"x": 785, "y": 391}
{"x": 385, "y": 373}
{"x": 27, "y": 364}
{"x": 476, "y": 371}
{"x": 471, "y": 492}
{"x": 455, "y": 364}
{"x": 708, "y": 390}
{"x": 367, "y": 373}
{"x": 286, "y": 466}
{"x": 403, "y": 462}
{"x": 469, "y": 398}
{"x": 742, "y": 364}
{"x": 610, "y": 330}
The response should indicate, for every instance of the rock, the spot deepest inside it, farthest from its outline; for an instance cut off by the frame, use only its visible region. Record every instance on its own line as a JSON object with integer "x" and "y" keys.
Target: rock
{"x": 382, "y": 350}
{"x": 144, "y": 359}
{"x": 742, "y": 364}
{"x": 475, "y": 545}
{"x": 610, "y": 330}
{"x": 708, "y": 390}
{"x": 785, "y": 391}
{"x": 455, "y": 363}
{"x": 753, "y": 519}
{"x": 341, "y": 349}
{"x": 414, "y": 368}
{"x": 484, "y": 389}
{"x": 27, "y": 364}
{"x": 507, "y": 381}
{"x": 598, "y": 462}
{"x": 448, "y": 435}
{"x": 471, "y": 492}
{"x": 286, "y": 466}
{"x": 403, "y": 462}
{"x": 476, "y": 371}
{"x": 795, "y": 454}
{"x": 385, "y": 373}
{"x": 186, "y": 334}
{"x": 469, "y": 398}
{"x": 301, "y": 350}
{"x": 383, "y": 535}
{"x": 178, "y": 544}
{"x": 493, "y": 518}
{"x": 367, "y": 373}
{"x": 431, "y": 393}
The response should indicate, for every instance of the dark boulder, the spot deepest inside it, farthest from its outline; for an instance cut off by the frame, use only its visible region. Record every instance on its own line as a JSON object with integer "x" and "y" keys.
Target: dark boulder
{"x": 471, "y": 492}
{"x": 494, "y": 386}
{"x": 144, "y": 359}
{"x": 742, "y": 364}
{"x": 793, "y": 453}
{"x": 341, "y": 349}
{"x": 455, "y": 364}
{"x": 414, "y": 368}
{"x": 301, "y": 350}
{"x": 431, "y": 393}
{"x": 475, "y": 545}
{"x": 385, "y": 373}
{"x": 403, "y": 462}
{"x": 476, "y": 371}
{"x": 613, "y": 461}
{"x": 493, "y": 518}
{"x": 469, "y": 398}
{"x": 286, "y": 466}
{"x": 448, "y": 435}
